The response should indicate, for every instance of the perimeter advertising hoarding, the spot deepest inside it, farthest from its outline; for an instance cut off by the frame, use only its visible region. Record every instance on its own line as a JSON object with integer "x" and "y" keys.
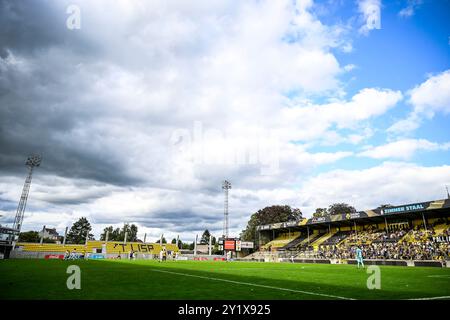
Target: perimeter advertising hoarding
{"x": 246, "y": 245}
{"x": 54, "y": 256}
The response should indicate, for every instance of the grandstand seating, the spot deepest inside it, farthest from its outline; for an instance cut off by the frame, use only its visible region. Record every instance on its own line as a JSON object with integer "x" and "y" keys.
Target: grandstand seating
{"x": 49, "y": 247}
{"x": 401, "y": 241}
{"x": 293, "y": 245}
{"x": 112, "y": 247}
{"x": 322, "y": 239}
{"x": 308, "y": 241}
{"x": 393, "y": 237}
{"x": 336, "y": 238}
{"x": 281, "y": 240}
{"x": 362, "y": 237}
{"x": 297, "y": 243}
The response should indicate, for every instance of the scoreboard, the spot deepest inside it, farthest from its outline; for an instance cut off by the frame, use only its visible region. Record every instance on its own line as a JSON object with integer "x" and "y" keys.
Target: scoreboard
{"x": 230, "y": 245}
{"x": 235, "y": 244}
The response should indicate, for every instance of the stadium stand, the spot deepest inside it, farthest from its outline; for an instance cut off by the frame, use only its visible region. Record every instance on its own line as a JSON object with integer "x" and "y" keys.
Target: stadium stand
{"x": 336, "y": 238}
{"x": 417, "y": 232}
{"x": 49, "y": 247}
{"x": 414, "y": 244}
{"x": 306, "y": 243}
{"x": 294, "y": 244}
{"x": 281, "y": 240}
{"x": 322, "y": 239}
{"x": 113, "y": 247}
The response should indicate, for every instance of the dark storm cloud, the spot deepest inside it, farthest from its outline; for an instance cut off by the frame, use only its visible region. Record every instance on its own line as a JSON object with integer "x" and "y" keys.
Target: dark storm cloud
{"x": 7, "y": 205}
{"x": 74, "y": 198}
{"x": 28, "y": 26}
{"x": 21, "y": 136}
{"x": 174, "y": 220}
{"x": 39, "y": 101}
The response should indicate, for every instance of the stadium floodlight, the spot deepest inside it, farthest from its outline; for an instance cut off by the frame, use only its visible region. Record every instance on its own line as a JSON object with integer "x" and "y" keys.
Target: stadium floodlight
{"x": 226, "y": 185}
{"x": 32, "y": 162}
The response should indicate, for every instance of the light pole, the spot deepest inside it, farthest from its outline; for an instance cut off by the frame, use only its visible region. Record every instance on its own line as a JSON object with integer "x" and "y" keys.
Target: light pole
{"x": 226, "y": 185}
{"x": 32, "y": 162}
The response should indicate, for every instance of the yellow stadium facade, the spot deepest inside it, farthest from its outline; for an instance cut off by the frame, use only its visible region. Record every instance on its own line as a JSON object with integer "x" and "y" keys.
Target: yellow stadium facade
{"x": 99, "y": 247}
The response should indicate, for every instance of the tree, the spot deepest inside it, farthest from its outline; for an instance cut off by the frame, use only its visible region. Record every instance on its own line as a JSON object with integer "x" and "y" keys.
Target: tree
{"x": 119, "y": 234}
{"x": 340, "y": 208}
{"x": 29, "y": 236}
{"x": 115, "y": 235}
{"x": 384, "y": 206}
{"x": 78, "y": 231}
{"x": 108, "y": 230}
{"x": 185, "y": 246}
{"x": 205, "y": 237}
{"x": 131, "y": 231}
{"x": 320, "y": 212}
{"x": 215, "y": 249}
{"x": 163, "y": 240}
{"x": 180, "y": 244}
{"x": 46, "y": 240}
{"x": 268, "y": 215}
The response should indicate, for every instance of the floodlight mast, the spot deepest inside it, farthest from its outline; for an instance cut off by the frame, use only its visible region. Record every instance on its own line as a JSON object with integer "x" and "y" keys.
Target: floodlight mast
{"x": 32, "y": 162}
{"x": 226, "y": 185}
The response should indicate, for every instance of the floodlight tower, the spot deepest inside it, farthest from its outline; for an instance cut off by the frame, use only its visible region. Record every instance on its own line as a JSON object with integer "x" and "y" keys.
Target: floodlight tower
{"x": 225, "y": 186}
{"x": 32, "y": 162}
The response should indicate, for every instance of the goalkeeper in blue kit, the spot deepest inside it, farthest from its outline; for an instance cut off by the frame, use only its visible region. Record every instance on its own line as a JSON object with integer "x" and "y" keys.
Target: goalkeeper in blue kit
{"x": 359, "y": 257}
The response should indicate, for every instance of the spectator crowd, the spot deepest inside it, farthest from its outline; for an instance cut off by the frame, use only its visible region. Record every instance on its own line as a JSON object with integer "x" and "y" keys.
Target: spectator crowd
{"x": 416, "y": 244}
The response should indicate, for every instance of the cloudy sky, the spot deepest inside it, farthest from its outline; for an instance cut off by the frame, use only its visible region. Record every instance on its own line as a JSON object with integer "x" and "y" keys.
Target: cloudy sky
{"x": 141, "y": 108}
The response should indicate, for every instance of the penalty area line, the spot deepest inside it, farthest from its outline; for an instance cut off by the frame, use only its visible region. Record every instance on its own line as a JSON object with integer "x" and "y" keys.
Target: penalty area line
{"x": 253, "y": 284}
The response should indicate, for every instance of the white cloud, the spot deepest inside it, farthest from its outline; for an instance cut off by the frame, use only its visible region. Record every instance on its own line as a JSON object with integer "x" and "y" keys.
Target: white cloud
{"x": 406, "y": 12}
{"x": 402, "y": 149}
{"x": 407, "y": 125}
{"x": 391, "y": 182}
{"x": 314, "y": 121}
{"x": 427, "y": 99}
{"x": 410, "y": 8}
{"x": 433, "y": 95}
{"x": 349, "y": 67}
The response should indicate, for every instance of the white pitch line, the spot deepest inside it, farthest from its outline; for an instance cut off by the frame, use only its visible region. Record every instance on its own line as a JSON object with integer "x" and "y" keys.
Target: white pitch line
{"x": 253, "y": 284}
{"x": 432, "y": 298}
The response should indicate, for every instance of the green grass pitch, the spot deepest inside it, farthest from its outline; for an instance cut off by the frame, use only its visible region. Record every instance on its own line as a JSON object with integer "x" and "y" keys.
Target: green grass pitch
{"x": 205, "y": 280}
